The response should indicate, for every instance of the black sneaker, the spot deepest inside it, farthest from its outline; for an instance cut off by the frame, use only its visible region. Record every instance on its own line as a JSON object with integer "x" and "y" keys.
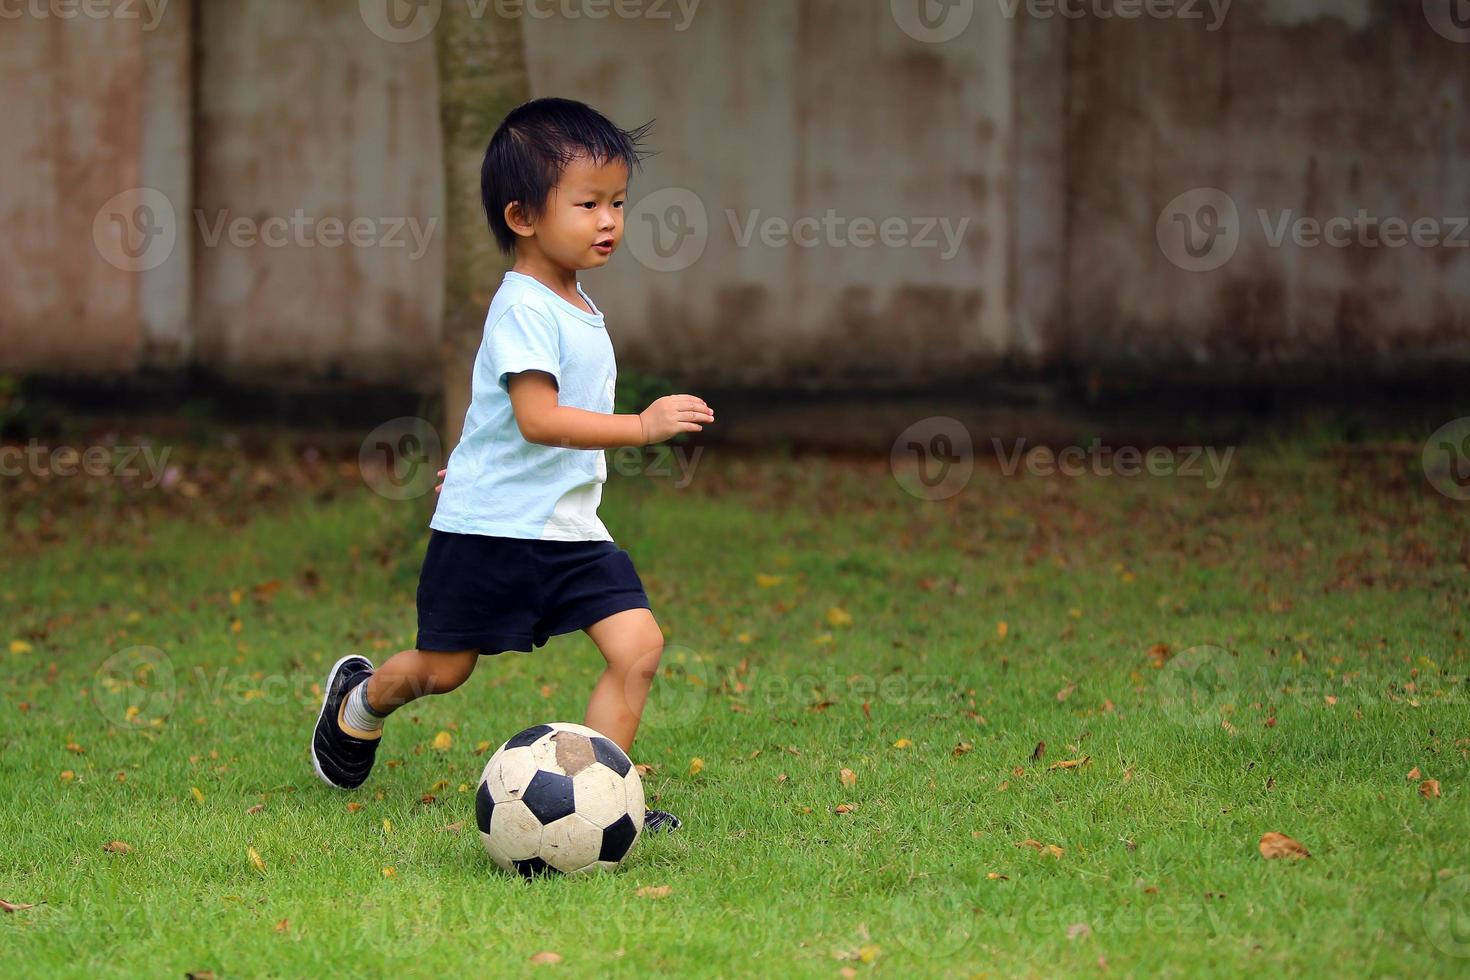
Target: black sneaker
{"x": 343, "y": 761}
{"x": 656, "y": 821}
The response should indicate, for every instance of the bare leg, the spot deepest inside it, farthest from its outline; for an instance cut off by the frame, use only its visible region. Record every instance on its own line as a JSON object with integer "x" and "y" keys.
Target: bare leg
{"x": 632, "y": 644}
{"x": 411, "y": 674}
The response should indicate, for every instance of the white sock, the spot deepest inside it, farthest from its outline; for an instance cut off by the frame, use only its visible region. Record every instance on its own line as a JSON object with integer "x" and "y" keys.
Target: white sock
{"x": 356, "y": 712}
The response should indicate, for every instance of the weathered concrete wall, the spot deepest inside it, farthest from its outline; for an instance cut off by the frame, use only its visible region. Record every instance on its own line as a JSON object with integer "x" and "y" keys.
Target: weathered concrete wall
{"x": 786, "y": 111}
{"x": 95, "y": 108}
{"x": 306, "y": 116}
{"x": 1298, "y": 108}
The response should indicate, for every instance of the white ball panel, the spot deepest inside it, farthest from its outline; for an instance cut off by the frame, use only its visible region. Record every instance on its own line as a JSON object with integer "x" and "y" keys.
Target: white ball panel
{"x": 601, "y": 794}
{"x": 570, "y": 844}
{"x": 634, "y": 787}
{"x": 509, "y": 772}
{"x": 516, "y": 831}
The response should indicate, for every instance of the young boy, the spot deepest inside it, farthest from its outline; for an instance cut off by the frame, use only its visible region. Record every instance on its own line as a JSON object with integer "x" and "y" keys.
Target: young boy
{"x": 516, "y": 552}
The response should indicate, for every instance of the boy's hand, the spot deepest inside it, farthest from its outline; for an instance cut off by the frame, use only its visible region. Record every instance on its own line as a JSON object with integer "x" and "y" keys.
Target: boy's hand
{"x": 673, "y": 414}
{"x": 441, "y": 479}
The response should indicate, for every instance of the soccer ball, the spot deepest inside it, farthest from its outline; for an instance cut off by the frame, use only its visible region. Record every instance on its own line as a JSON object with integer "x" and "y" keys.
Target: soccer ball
{"x": 559, "y": 798}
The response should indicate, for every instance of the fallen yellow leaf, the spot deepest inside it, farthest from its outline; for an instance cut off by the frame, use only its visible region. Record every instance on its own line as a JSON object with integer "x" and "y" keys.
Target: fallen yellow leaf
{"x": 353, "y": 807}
{"x": 545, "y": 957}
{"x": 19, "y": 647}
{"x": 387, "y": 826}
{"x": 993, "y": 876}
{"x": 390, "y": 872}
{"x": 198, "y": 796}
{"x": 696, "y": 766}
{"x": 117, "y": 847}
{"x": 1274, "y": 845}
{"x": 255, "y": 859}
{"x": 837, "y": 616}
{"x": 443, "y": 741}
{"x": 767, "y": 581}
{"x": 868, "y": 953}
{"x": 903, "y": 743}
{"x": 67, "y": 775}
{"x": 1002, "y": 629}
{"x": 1051, "y": 850}
{"x": 655, "y": 891}
{"x": 848, "y": 777}
{"x": 481, "y": 747}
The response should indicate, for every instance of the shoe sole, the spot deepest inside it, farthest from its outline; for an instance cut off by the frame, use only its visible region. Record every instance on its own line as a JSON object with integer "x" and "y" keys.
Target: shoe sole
{"x": 327, "y": 693}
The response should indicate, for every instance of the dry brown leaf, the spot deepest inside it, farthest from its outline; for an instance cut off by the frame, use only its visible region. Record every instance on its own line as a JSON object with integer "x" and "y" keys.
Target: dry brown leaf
{"x": 1066, "y": 692}
{"x": 1070, "y": 763}
{"x": 781, "y": 779}
{"x": 1414, "y": 775}
{"x": 644, "y": 769}
{"x": 353, "y": 807}
{"x": 117, "y": 847}
{"x": 845, "y": 808}
{"x": 13, "y": 907}
{"x": 1158, "y": 655}
{"x": 74, "y": 747}
{"x": 1429, "y": 789}
{"x": 67, "y": 776}
{"x": 994, "y": 876}
{"x": 1274, "y": 845}
{"x": 848, "y": 777}
{"x": 1002, "y": 629}
{"x": 1050, "y": 850}
{"x": 283, "y": 926}
{"x": 452, "y": 828}
{"x": 482, "y": 747}
{"x": 256, "y": 808}
{"x": 1038, "y": 752}
{"x": 545, "y": 957}
{"x": 655, "y": 891}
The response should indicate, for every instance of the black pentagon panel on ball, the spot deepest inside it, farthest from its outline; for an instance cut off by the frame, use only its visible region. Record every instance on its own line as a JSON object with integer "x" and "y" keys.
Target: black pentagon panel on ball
{"x": 526, "y": 737}
{"x": 617, "y": 839}
{"x": 531, "y": 867}
{"x": 549, "y": 796}
{"x": 484, "y": 807}
{"x": 608, "y": 753}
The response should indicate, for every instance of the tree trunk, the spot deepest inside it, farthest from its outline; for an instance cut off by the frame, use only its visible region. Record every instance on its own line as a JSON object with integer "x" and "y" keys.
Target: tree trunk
{"x": 482, "y": 76}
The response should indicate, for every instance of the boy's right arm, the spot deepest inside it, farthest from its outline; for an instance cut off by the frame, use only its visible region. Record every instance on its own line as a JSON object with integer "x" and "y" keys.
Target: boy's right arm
{"x": 542, "y": 420}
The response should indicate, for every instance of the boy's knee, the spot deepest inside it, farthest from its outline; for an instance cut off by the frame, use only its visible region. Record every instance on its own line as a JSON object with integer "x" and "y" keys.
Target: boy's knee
{"x": 450, "y": 670}
{"x": 641, "y": 652}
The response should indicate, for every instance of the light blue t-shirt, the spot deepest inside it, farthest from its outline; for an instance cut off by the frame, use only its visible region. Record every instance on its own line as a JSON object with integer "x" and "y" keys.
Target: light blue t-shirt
{"x": 500, "y": 484}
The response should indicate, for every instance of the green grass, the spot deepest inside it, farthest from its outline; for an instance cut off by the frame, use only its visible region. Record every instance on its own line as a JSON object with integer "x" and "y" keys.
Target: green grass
{"x": 1305, "y": 576}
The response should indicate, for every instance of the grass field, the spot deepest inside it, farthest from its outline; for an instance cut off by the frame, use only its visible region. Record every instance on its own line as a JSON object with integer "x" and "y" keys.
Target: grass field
{"x": 1202, "y": 665}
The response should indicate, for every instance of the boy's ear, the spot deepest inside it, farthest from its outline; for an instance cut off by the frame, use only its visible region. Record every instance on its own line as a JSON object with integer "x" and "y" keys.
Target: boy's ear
{"x": 515, "y": 218}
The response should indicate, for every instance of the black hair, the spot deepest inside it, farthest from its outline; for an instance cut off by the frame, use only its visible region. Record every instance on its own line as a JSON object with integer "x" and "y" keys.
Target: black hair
{"x": 533, "y": 145}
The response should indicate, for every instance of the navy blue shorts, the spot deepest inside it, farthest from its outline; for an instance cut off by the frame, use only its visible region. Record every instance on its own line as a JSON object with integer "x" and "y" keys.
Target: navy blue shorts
{"x": 491, "y": 594}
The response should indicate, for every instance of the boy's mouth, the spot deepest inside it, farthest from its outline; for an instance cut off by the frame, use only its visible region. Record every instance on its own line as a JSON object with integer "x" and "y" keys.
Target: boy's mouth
{"x": 604, "y": 245}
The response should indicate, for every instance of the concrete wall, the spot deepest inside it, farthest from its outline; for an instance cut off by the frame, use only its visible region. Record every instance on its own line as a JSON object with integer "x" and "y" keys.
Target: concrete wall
{"x": 303, "y": 110}
{"x": 94, "y": 110}
{"x": 785, "y": 111}
{"x": 1321, "y": 108}
{"x": 1045, "y": 151}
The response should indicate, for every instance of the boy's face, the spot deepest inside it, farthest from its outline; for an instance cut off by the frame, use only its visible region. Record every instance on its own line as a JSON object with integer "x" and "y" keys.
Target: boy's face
{"x": 582, "y": 224}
